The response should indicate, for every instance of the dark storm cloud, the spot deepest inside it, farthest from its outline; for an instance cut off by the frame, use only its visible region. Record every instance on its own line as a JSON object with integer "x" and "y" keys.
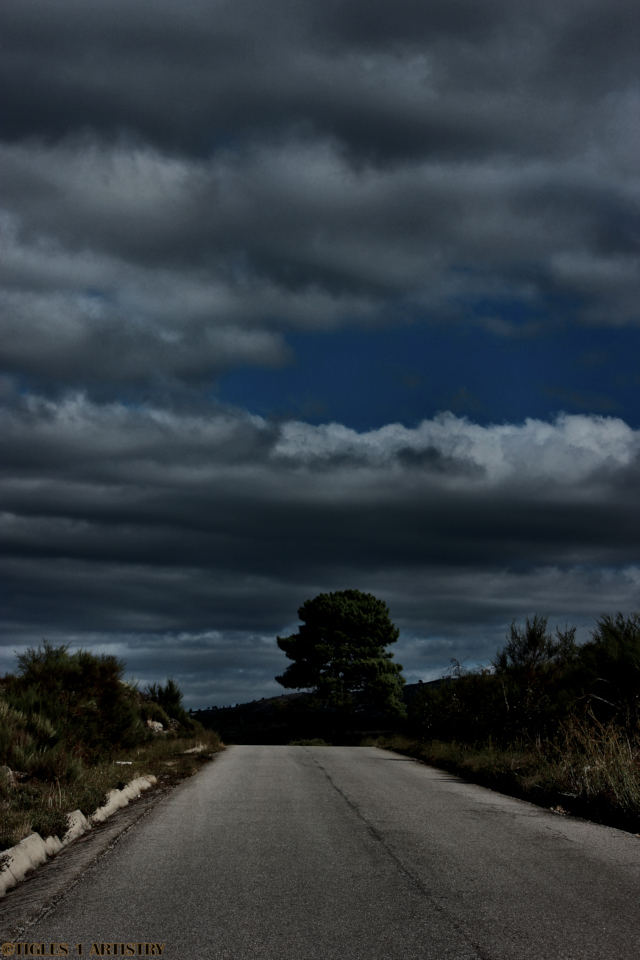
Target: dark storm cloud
{"x": 185, "y": 184}
{"x": 188, "y": 521}
{"x": 185, "y": 75}
{"x": 140, "y": 268}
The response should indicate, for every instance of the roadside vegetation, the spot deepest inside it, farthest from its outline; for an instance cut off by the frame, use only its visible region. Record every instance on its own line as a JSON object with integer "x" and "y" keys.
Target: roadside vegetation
{"x": 551, "y": 721}
{"x": 71, "y": 730}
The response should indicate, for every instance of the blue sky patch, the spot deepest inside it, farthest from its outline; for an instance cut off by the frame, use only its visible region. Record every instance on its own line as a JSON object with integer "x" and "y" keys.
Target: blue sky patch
{"x": 365, "y": 379}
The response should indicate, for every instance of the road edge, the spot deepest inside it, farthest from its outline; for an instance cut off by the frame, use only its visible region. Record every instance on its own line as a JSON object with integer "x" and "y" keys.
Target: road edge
{"x": 35, "y": 896}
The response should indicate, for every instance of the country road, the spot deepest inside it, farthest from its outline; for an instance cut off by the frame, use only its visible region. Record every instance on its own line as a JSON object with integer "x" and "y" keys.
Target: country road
{"x": 312, "y": 853}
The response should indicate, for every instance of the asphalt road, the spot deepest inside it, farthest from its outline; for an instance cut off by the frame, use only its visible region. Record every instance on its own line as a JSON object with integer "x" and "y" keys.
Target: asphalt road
{"x": 273, "y": 853}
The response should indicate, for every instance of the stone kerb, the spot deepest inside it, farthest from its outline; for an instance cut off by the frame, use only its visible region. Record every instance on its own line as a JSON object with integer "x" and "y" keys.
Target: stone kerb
{"x": 27, "y": 855}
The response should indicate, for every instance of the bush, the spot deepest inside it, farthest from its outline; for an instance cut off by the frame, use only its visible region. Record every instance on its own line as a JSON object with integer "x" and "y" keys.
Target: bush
{"x": 64, "y": 719}
{"x": 169, "y": 699}
{"x": 27, "y": 741}
{"x": 551, "y": 720}
{"x": 607, "y": 678}
{"x": 150, "y": 710}
{"x": 538, "y": 683}
{"x": 80, "y": 696}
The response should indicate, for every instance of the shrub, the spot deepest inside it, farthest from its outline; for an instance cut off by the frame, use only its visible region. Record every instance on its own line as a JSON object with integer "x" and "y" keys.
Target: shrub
{"x": 169, "y": 699}
{"x": 77, "y": 698}
{"x": 62, "y": 707}
{"x": 150, "y": 710}
{"x": 608, "y": 673}
{"x": 538, "y": 683}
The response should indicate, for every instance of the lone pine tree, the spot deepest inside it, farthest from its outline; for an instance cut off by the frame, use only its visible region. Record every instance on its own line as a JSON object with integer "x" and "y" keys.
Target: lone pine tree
{"x": 339, "y": 653}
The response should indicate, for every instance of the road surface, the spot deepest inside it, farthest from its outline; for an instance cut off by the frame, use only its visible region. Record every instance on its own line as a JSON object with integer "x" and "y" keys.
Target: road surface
{"x": 351, "y": 853}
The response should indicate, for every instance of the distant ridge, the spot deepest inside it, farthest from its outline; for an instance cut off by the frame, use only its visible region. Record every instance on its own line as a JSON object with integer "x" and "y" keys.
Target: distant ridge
{"x": 256, "y": 711}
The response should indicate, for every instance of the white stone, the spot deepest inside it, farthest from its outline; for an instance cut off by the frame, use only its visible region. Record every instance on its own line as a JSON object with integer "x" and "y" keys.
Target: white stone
{"x": 78, "y": 824}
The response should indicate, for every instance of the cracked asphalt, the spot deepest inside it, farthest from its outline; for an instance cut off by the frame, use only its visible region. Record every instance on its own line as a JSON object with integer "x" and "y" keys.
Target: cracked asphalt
{"x": 318, "y": 853}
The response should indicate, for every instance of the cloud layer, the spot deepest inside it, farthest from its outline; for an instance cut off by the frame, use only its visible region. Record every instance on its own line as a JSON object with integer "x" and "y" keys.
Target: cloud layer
{"x": 186, "y": 187}
{"x": 183, "y": 183}
{"x": 123, "y": 521}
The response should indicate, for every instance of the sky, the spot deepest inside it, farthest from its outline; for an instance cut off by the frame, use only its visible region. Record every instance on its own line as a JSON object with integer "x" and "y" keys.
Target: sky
{"x": 311, "y": 295}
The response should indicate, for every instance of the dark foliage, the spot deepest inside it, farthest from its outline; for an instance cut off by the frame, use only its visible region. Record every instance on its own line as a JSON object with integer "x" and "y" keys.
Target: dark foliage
{"x": 532, "y": 650}
{"x": 608, "y": 673}
{"x": 73, "y": 703}
{"x": 340, "y": 653}
{"x": 62, "y": 710}
{"x": 169, "y": 699}
{"x": 538, "y": 682}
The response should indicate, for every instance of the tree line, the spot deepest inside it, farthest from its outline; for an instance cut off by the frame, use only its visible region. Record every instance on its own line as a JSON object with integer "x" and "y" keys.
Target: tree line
{"x": 532, "y": 686}
{"x": 536, "y": 683}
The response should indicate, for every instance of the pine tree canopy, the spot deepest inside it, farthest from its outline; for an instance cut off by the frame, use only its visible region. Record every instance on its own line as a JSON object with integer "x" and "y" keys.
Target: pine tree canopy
{"x": 340, "y": 653}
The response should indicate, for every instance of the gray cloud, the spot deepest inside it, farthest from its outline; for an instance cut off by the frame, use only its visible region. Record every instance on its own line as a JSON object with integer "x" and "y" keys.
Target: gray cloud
{"x": 184, "y": 185}
{"x": 119, "y": 520}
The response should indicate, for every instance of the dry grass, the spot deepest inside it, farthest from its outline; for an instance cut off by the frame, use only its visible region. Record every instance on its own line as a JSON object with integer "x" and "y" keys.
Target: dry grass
{"x": 29, "y": 805}
{"x": 593, "y": 770}
{"x": 601, "y": 765}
